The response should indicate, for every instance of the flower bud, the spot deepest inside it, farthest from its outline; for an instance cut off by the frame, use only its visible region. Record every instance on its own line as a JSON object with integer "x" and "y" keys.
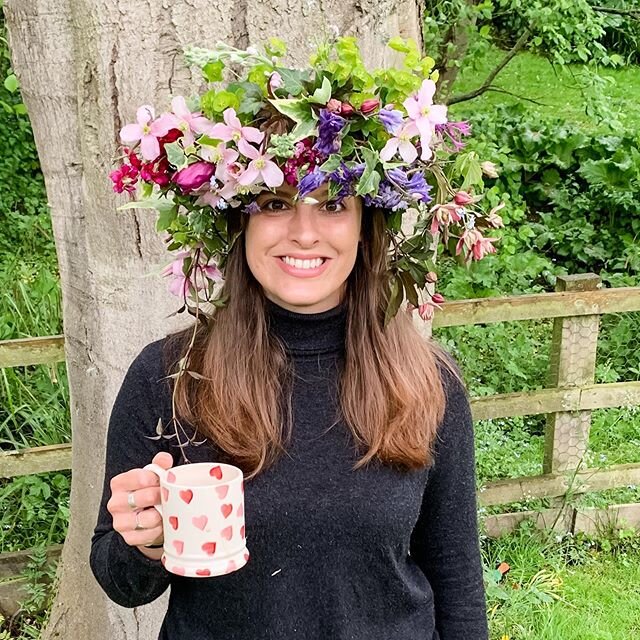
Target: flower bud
{"x": 334, "y": 106}
{"x": 346, "y": 109}
{"x": 194, "y": 176}
{"x": 462, "y": 198}
{"x": 438, "y": 298}
{"x": 431, "y": 277}
{"x": 489, "y": 169}
{"x": 369, "y": 106}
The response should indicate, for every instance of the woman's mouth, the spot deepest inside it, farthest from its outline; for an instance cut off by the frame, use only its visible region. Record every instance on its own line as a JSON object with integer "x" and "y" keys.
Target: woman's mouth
{"x": 303, "y": 268}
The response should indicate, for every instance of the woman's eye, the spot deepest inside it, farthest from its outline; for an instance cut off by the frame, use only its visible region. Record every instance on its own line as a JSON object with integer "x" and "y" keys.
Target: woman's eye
{"x": 334, "y": 206}
{"x": 281, "y": 205}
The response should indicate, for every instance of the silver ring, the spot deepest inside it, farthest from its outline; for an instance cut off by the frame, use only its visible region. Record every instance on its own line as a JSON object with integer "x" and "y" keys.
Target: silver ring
{"x": 138, "y": 527}
{"x": 131, "y": 501}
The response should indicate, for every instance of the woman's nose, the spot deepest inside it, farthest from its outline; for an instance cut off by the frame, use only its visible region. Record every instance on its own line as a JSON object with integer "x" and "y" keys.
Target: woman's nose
{"x": 303, "y": 224}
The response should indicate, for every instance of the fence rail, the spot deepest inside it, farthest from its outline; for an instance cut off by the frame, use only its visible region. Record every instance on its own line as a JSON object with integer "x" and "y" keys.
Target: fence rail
{"x": 576, "y": 307}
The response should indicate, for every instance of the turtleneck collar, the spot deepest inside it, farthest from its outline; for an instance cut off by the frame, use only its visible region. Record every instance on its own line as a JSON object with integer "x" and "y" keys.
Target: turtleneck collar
{"x": 309, "y": 333}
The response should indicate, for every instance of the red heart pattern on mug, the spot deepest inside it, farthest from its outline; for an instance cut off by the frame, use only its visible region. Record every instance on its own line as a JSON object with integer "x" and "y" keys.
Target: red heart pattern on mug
{"x": 242, "y": 532}
{"x": 171, "y": 477}
{"x": 209, "y": 548}
{"x": 226, "y": 510}
{"x": 179, "y": 570}
{"x": 186, "y": 495}
{"x": 240, "y": 511}
{"x": 165, "y": 493}
{"x": 246, "y": 556}
{"x": 173, "y": 521}
{"x": 179, "y": 546}
{"x": 231, "y": 566}
{"x": 226, "y": 533}
{"x": 203, "y": 572}
{"x": 216, "y": 472}
{"x": 222, "y": 491}
{"x": 200, "y": 522}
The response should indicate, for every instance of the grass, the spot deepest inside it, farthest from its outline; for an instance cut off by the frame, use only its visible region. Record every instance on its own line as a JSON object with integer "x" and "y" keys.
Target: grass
{"x": 558, "y": 90}
{"x": 564, "y": 587}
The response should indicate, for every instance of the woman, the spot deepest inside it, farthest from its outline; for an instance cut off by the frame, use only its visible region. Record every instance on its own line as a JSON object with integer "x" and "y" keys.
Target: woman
{"x": 343, "y": 545}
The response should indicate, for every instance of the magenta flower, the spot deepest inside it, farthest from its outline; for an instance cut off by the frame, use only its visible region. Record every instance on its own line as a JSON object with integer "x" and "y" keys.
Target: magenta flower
{"x": 261, "y": 167}
{"x": 444, "y": 215}
{"x": 124, "y": 179}
{"x": 233, "y": 129}
{"x": 147, "y": 130}
{"x": 425, "y": 114}
{"x": 194, "y": 176}
{"x": 402, "y": 144}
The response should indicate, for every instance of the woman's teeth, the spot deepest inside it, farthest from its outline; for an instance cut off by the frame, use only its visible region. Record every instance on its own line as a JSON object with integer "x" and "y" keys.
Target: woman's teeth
{"x": 303, "y": 264}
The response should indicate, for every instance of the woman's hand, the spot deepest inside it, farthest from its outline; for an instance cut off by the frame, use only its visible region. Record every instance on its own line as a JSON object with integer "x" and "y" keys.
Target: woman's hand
{"x": 144, "y": 489}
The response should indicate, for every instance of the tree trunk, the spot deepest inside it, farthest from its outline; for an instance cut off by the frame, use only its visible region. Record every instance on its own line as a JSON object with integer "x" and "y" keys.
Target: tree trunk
{"x": 84, "y": 66}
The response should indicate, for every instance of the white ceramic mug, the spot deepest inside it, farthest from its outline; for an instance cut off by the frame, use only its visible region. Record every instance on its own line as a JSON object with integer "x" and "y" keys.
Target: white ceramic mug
{"x": 202, "y": 509}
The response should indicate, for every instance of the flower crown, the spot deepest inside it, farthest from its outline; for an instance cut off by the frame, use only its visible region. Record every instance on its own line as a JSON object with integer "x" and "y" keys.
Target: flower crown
{"x": 374, "y": 134}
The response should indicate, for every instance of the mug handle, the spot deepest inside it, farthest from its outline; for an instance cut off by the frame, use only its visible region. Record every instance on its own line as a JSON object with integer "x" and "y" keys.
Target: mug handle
{"x": 162, "y": 474}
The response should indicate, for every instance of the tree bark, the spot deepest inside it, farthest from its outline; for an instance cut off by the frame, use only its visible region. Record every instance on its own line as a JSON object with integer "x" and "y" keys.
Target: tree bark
{"x": 84, "y": 66}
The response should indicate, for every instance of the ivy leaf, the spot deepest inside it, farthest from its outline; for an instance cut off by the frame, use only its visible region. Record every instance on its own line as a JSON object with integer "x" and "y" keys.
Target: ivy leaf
{"x": 409, "y": 287}
{"x": 370, "y": 179}
{"x": 175, "y": 155}
{"x": 304, "y": 130}
{"x": 292, "y": 80}
{"x": 295, "y": 108}
{"x": 331, "y": 164}
{"x": 323, "y": 94}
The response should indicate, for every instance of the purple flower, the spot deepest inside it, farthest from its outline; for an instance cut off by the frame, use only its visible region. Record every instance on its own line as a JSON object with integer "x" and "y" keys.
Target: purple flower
{"x": 415, "y": 186}
{"x": 329, "y": 127}
{"x": 310, "y": 182}
{"x": 391, "y": 119}
{"x": 346, "y": 178}
{"x": 454, "y": 131}
{"x": 252, "y": 207}
{"x": 387, "y": 198}
{"x": 194, "y": 176}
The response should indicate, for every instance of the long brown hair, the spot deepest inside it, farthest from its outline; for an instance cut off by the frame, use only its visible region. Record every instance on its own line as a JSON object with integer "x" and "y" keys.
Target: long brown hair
{"x": 391, "y": 392}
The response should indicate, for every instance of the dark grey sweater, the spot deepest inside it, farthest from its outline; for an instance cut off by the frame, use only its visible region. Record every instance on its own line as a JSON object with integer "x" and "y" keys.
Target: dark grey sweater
{"x": 373, "y": 554}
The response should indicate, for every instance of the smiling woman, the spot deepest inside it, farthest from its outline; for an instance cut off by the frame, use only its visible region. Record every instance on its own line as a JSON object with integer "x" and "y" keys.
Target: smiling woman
{"x": 302, "y": 251}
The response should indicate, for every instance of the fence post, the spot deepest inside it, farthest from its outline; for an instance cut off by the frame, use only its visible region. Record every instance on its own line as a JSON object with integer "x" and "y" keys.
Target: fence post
{"x": 572, "y": 364}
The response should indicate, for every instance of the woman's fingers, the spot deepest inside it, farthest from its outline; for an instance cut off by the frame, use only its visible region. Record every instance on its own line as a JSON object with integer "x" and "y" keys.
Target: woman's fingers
{"x": 143, "y": 498}
{"x": 147, "y": 518}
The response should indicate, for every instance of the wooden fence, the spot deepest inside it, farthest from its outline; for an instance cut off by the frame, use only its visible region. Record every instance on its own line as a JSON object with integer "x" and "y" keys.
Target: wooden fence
{"x": 576, "y": 307}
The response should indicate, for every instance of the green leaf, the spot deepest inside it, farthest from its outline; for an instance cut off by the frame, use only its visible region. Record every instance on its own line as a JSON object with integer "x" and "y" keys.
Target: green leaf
{"x": 292, "y": 80}
{"x": 166, "y": 216}
{"x": 332, "y": 163}
{"x": 370, "y": 179}
{"x": 295, "y": 108}
{"x": 304, "y": 130}
{"x": 11, "y": 83}
{"x": 395, "y": 299}
{"x": 399, "y": 44}
{"x": 223, "y": 100}
{"x": 323, "y": 94}
{"x": 175, "y": 155}
{"x": 409, "y": 288}
{"x": 276, "y": 48}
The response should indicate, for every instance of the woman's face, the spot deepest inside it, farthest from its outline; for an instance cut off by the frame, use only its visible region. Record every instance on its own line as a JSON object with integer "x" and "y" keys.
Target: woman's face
{"x": 303, "y": 231}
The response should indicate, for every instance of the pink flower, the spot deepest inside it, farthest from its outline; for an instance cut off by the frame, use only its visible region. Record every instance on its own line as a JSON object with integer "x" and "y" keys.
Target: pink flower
{"x": 425, "y": 114}
{"x": 402, "y": 144}
{"x": 194, "y": 176}
{"x": 180, "y": 285}
{"x": 189, "y": 123}
{"x": 476, "y": 244}
{"x": 261, "y": 167}
{"x": 444, "y": 215}
{"x": 147, "y": 130}
{"x": 233, "y": 129}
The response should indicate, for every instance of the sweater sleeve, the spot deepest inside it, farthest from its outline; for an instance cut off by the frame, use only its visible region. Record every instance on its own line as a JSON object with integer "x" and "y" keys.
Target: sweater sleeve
{"x": 444, "y": 542}
{"x": 125, "y": 574}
